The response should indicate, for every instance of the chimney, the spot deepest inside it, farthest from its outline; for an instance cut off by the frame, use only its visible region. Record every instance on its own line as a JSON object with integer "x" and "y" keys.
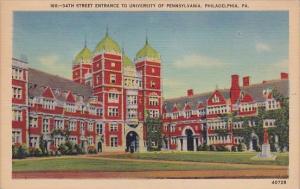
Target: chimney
{"x": 284, "y": 75}
{"x": 234, "y": 81}
{"x": 246, "y": 81}
{"x": 234, "y": 89}
{"x": 190, "y": 92}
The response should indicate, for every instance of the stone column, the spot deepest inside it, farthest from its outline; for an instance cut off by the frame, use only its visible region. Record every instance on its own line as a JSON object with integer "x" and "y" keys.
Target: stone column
{"x": 195, "y": 144}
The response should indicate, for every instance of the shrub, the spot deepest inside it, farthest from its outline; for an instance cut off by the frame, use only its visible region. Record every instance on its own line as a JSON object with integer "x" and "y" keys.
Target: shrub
{"x": 77, "y": 149}
{"x": 234, "y": 148}
{"x": 91, "y": 150}
{"x": 221, "y": 148}
{"x": 203, "y": 147}
{"x": 62, "y": 148}
{"x": 19, "y": 151}
{"x": 212, "y": 147}
{"x": 241, "y": 147}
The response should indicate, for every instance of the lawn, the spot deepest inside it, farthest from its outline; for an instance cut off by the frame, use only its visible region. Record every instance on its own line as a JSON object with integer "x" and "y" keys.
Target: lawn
{"x": 220, "y": 157}
{"x": 84, "y": 164}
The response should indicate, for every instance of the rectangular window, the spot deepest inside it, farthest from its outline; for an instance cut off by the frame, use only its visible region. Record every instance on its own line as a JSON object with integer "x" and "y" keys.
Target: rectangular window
{"x": 90, "y": 126}
{"x": 48, "y": 104}
{"x": 73, "y": 139}
{"x": 154, "y": 113}
{"x": 33, "y": 142}
{"x": 99, "y": 111}
{"x": 17, "y": 92}
{"x": 90, "y": 141}
{"x": 131, "y": 99}
{"x": 99, "y": 128}
{"x": 46, "y": 128}
{"x": 17, "y": 115}
{"x": 112, "y": 78}
{"x": 33, "y": 122}
{"x": 59, "y": 124}
{"x": 16, "y": 137}
{"x": 114, "y": 141}
{"x": 113, "y": 97}
{"x": 82, "y": 128}
{"x": 72, "y": 126}
{"x": 153, "y": 100}
{"x": 113, "y": 111}
{"x": 131, "y": 113}
{"x": 69, "y": 107}
{"x": 17, "y": 73}
{"x": 113, "y": 127}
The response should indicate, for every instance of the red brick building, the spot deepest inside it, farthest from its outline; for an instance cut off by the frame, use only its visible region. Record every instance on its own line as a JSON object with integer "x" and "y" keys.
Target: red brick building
{"x": 105, "y": 103}
{"x": 197, "y": 118}
{"x": 103, "y": 106}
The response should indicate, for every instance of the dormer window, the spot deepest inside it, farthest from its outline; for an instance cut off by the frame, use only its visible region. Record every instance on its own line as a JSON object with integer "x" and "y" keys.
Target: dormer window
{"x": 188, "y": 113}
{"x": 48, "y": 104}
{"x": 70, "y": 107}
{"x": 215, "y": 99}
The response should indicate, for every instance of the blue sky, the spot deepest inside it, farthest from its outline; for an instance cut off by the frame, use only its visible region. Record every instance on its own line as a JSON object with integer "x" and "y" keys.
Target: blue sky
{"x": 199, "y": 50}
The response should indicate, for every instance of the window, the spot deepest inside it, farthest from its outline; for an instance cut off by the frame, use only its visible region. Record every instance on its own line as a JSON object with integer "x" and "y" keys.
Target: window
{"x": 99, "y": 111}
{"x": 175, "y": 115}
{"x": 152, "y": 83}
{"x": 131, "y": 113}
{"x": 112, "y": 78}
{"x": 17, "y": 92}
{"x": 90, "y": 126}
{"x": 72, "y": 126}
{"x": 59, "y": 124}
{"x": 153, "y": 100}
{"x": 17, "y": 73}
{"x": 33, "y": 141}
{"x": 48, "y": 104}
{"x": 33, "y": 122}
{"x": 131, "y": 99}
{"x": 113, "y": 111}
{"x": 16, "y": 137}
{"x": 17, "y": 115}
{"x": 113, "y": 127}
{"x": 46, "y": 126}
{"x": 90, "y": 141}
{"x": 113, "y": 64}
{"x": 99, "y": 128}
{"x": 173, "y": 140}
{"x": 58, "y": 140}
{"x": 114, "y": 141}
{"x": 172, "y": 128}
{"x": 188, "y": 114}
{"x": 73, "y": 139}
{"x": 82, "y": 128}
{"x": 113, "y": 97}
{"x": 153, "y": 113}
{"x": 69, "y": 107}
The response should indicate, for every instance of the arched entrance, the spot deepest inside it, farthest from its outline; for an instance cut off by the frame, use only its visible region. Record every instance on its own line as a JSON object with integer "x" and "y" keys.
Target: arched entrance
{"x": 132, "y": 141}
{"x": 189, "y": 139}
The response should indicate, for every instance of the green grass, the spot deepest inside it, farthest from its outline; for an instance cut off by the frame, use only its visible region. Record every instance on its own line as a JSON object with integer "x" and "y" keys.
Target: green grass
{"x": 221, "y": 157}
{"x": 82, "y": 164}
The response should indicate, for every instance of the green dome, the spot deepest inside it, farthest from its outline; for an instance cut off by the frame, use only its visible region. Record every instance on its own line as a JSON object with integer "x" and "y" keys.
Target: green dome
{"x": 107, "y": 44}
{"x": 147, "y": 51}
{"x": 84, "y": 55}
{"x": 127, "y": 62}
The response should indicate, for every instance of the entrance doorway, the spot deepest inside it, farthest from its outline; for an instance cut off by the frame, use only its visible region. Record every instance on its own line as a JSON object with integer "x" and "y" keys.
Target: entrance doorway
{"x": 99, "y": 147}
{"x": 189, "y": 140}
{"x": 254, "y": 144}
{"x": 132, "y": 142}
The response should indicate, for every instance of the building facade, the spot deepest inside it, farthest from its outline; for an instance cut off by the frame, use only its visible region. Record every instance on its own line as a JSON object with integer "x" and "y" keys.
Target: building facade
{"x": 196, "y": 119}
{"x": 106, "y": 103}
{"x": 103, "y": 105}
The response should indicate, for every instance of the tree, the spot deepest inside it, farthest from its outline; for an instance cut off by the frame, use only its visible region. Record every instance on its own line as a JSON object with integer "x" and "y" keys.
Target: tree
{"x": 153, "y": 133}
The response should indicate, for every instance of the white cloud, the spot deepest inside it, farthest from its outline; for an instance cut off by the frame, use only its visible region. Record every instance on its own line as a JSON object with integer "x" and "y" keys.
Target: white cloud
{"x": 54, "y": 65}
{"x": 197, "y": 61}
{"x": 262, "y": 47}
{"x": 48, "y": 60}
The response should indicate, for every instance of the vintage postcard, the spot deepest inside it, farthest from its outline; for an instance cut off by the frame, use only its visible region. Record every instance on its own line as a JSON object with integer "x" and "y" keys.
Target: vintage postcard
{"x": 138, "y": 94}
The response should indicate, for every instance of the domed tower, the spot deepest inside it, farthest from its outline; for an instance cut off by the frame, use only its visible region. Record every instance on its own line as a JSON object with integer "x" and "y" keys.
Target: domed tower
{"x": 82, "y": 65}
{"x": 148, "y": 65}
{"x": 108, "y": 87}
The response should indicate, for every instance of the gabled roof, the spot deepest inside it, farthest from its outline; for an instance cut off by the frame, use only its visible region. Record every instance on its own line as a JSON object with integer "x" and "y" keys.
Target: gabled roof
{"x": 39, "y": 81}
{"x": 255, "y": 90}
